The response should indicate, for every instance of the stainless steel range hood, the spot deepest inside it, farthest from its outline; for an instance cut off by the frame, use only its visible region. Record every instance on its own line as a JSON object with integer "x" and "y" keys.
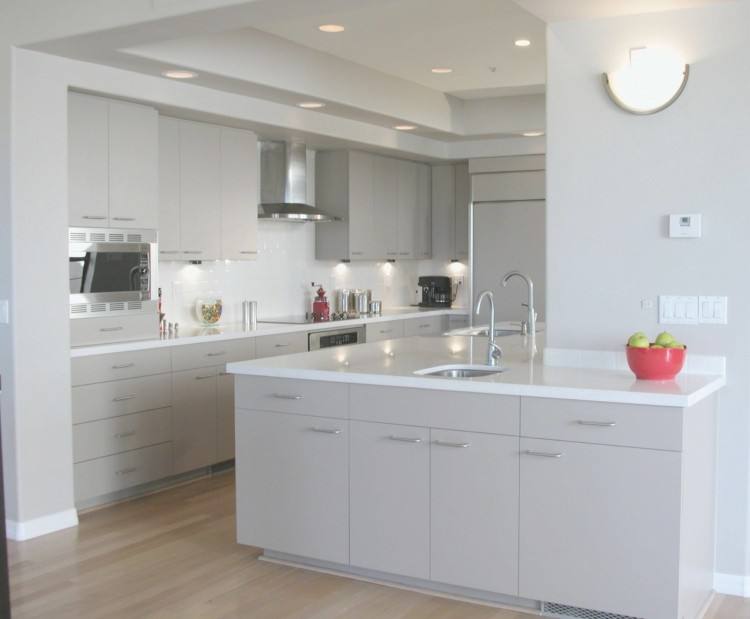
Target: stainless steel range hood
{"x": 283, "y": 184}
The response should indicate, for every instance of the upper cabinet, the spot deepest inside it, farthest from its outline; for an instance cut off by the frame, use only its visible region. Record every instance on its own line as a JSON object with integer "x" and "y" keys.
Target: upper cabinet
{"x": 113, "y": 153}
{"x": 208, "y": 189}
{"x": 451, "y": 194}
{"x": 384, "y": 205}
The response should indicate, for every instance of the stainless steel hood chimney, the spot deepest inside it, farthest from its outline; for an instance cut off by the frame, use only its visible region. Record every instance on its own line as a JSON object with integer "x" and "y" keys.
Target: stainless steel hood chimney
{"x": 283, "y": 184}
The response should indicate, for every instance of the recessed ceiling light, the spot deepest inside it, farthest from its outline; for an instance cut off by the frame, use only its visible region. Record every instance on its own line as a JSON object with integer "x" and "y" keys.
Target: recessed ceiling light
{"x": 442, "y": 70}
{"x": 532, "y": 134}
{"x": 311, "y": 105}
{"x": 522, "y": 42}
{"x": 331, "y": 28}
{"x": 404, "y": 127}
{"x": 179, "y": 74}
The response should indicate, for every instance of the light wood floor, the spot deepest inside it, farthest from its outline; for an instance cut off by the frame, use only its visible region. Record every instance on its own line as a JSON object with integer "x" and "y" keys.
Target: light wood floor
{"x": 173, "y": 554}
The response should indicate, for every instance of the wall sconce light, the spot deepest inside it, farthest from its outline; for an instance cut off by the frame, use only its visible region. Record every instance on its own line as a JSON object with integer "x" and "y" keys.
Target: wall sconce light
{"x": 653, "y": 80}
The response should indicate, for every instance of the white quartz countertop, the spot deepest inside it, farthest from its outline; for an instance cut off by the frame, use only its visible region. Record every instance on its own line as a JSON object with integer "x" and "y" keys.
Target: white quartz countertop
{"x": 394, "y": 363}
{"x": 199, "y": 335}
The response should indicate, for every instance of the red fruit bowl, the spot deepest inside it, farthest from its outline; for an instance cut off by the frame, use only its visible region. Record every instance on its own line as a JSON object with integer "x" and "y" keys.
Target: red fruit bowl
{"x": 656, "y": 363}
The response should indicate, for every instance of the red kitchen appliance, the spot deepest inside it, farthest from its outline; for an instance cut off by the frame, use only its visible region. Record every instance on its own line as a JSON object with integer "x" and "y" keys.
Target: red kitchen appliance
{"x": 321, "y": 311}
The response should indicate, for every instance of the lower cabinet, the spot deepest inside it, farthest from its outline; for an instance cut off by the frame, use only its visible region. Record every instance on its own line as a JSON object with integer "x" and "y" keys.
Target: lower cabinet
{"x": 224, "y": 417}
{"x": 293, "y": 484}
{"x": 194, "y": 425}
{"x": 600, "y": 527}
{"x": 379, "y": 331}
{"x": 390, "y": 498}
{"x": 474, "y": 510}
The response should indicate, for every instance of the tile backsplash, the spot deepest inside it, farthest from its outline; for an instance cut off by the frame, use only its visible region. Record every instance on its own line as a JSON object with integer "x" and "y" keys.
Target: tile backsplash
{"x": 280, "y": 279}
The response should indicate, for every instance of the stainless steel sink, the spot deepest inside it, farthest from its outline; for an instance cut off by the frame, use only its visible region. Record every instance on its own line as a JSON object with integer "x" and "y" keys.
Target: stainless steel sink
{"x": 461, "y": 371}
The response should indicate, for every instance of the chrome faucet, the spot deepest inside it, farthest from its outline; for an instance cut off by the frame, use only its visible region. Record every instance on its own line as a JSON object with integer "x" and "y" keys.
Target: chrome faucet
{"x": 531, "y": 320}
{"x": 494, "y": 352}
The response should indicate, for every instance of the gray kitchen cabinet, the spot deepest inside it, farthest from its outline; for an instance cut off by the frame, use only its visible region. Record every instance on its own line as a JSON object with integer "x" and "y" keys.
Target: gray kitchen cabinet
{"x": 239, "y": 192}
{"x": 599, "y": 523}
{"x": 379, "y": 331}
{"x": 200, "y": 191}
{"x": 297, "y": 466}
{"x": 281, "y": 344}
{"x": 389, "y": 497}
{"x": 112, "y": 163}
{"x": 224, "y": 417}
{"x": 450, "y": 198}
{"x": 383, "y": 204}
{"x": 474, "y": 510}
{"x": 428, "y": 325}
{"x": 169, "y": 188}
{"x": 194, "y": 414}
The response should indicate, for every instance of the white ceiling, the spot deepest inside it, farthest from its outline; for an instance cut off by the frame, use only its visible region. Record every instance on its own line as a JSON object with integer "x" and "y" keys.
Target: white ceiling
{"x": 407, "y": 39}
{"x": 567, "y": 10}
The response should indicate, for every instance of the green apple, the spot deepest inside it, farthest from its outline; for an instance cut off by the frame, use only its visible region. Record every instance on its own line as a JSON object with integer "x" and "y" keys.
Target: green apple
{"x": 656, "y": 346}
{"x": 664, "y": 339}
{"x": 675, "y": 344}
{"x": 638, "y": 340}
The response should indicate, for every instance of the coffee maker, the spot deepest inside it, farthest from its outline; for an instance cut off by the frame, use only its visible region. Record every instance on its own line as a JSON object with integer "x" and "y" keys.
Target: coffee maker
{"x": 437, "y": 291}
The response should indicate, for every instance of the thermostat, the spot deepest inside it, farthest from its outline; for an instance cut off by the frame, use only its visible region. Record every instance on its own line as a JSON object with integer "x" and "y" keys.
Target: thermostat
{"x": 685, "y": 226}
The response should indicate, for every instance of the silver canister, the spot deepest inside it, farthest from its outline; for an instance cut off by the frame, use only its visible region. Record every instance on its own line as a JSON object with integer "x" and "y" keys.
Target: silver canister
{"x": 362, "y": 300}
{"x": 376, "y": 308}
{"x": 344, "y": 301}
{"x": 249, "y": 315}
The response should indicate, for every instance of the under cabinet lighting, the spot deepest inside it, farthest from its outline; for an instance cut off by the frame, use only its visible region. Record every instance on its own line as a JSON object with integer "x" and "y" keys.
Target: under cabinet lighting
{"x": 331, "y": 28}
{"x": 442, "y": 70}
{"x": 311, "y": 105}
{"x": 532, "y": 134}
{"x": 179, "y": 74}
{"x": 522, "y": 43}
{"x": 404, "y": 127}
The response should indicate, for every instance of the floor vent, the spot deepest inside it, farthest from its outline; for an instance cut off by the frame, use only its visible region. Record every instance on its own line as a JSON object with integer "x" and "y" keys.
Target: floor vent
{"x": 563, "y": 611}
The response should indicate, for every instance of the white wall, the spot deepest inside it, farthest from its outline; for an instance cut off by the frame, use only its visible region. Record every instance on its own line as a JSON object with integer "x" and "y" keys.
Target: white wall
{"x": 611, "y": 179}
{"x": 280, "y": 278}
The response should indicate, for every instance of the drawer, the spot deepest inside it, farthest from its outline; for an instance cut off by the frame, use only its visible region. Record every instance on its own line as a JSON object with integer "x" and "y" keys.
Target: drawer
{"x": 629, "y": 425}
{"x": 286, "y": 395}
{"x": 102, "y": 476}
{"x": 108, "y": 329}
{"x": 121, "y": 397}
{"x": 102, "y": 368}
{"x": 192, "y": 356}
{"x": 286, "y": 344}
{"x": 380, "y": 331}
{"x": 125, "y": 433}
{"x": 429, "y": 325}
{"x": 473, "y": 412}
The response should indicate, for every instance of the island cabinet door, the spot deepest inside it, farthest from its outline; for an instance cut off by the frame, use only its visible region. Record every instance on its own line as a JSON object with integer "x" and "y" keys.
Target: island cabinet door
{"x": 600, "y": 527}
{"x": 474, "y": 510}
{"x": 293, "y": 484}
{"x": 390, "y": 498}
{"x": 194, "y": 418}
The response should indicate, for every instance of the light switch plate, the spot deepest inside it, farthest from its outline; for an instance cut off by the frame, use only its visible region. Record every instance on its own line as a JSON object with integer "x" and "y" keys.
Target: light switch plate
{"x": 712, "y": 310}
{"x": 4, "y": 312}
{"x": 678, "y": 310}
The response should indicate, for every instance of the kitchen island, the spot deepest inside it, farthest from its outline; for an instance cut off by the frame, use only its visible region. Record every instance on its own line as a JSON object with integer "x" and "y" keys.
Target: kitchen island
{"x": 569, "y": 490}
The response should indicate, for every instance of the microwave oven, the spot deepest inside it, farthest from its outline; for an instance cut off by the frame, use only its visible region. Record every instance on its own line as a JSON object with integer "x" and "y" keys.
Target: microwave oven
{"x": 111, "y": 270}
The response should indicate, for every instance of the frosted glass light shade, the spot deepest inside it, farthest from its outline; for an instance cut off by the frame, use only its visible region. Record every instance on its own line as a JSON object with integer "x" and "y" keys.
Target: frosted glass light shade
{"x": 652, "y": 80}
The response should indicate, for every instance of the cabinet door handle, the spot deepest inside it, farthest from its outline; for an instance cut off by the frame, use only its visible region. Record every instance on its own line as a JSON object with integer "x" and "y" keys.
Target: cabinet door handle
{"x": 404, "y": 253}
{"x": 424, "y": 326}
{"x": 544, "y": 454}
{"x": 216, "y": 354}
{"x": 357, "y": 253}
{"x": 404, "y": 439}
{"x": 391, "y": 253}
{"x": 192, "y": 251}
{"x": 123, "y": 218}
{"x": 110, "y": 329}
{"x": 248, "y": 252}
{"x": 95, "y": 217}
{"x": 597, "y": 424}
{"x": 283, "y": 396}
{"x": 205, "y": 377}
{"x": 122, "y": 366}
{"x": 169, "y": 251}
{"x": 125, "y": 434}
{"x": 326, "y": 430}
{"x": 122, "y": 398}
{"x": 281, "y": 345}
{"x": 132, "y": 469}
{"x": 386, "y": 330}
{"x": 449, "y": 444}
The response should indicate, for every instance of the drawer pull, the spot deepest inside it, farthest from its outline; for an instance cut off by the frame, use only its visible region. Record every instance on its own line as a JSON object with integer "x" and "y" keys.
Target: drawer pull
{"x": 192, "y": 251}
{"x": 216, "y": 354}
{"x": 122, "y": 366}
{"x": 597, "y": 424}
{"x": 326, "y": 430}
{"x": 123, "y": 218}
{"x": 449, "y": 444}
{"x": 544, "y": 454}
{"x": 132, "y": 469}
{"x": 125, "y": 434}
{"x": 248, "y": 252}
{"x": 424, "y": 326}
{"x": 205, "y": 376}
{"x": 109, "y": 329}
{"x": 283, "y": 396}
{"x": 404, "y": 439}
{"x": 122, "y": 398}
{"x": 357, "y": 253}
{"x": 281, "y": 345}
{"x": 169, "y": 251}
{"x": 95, "y": 217}
{"x": 386, "y": 330}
